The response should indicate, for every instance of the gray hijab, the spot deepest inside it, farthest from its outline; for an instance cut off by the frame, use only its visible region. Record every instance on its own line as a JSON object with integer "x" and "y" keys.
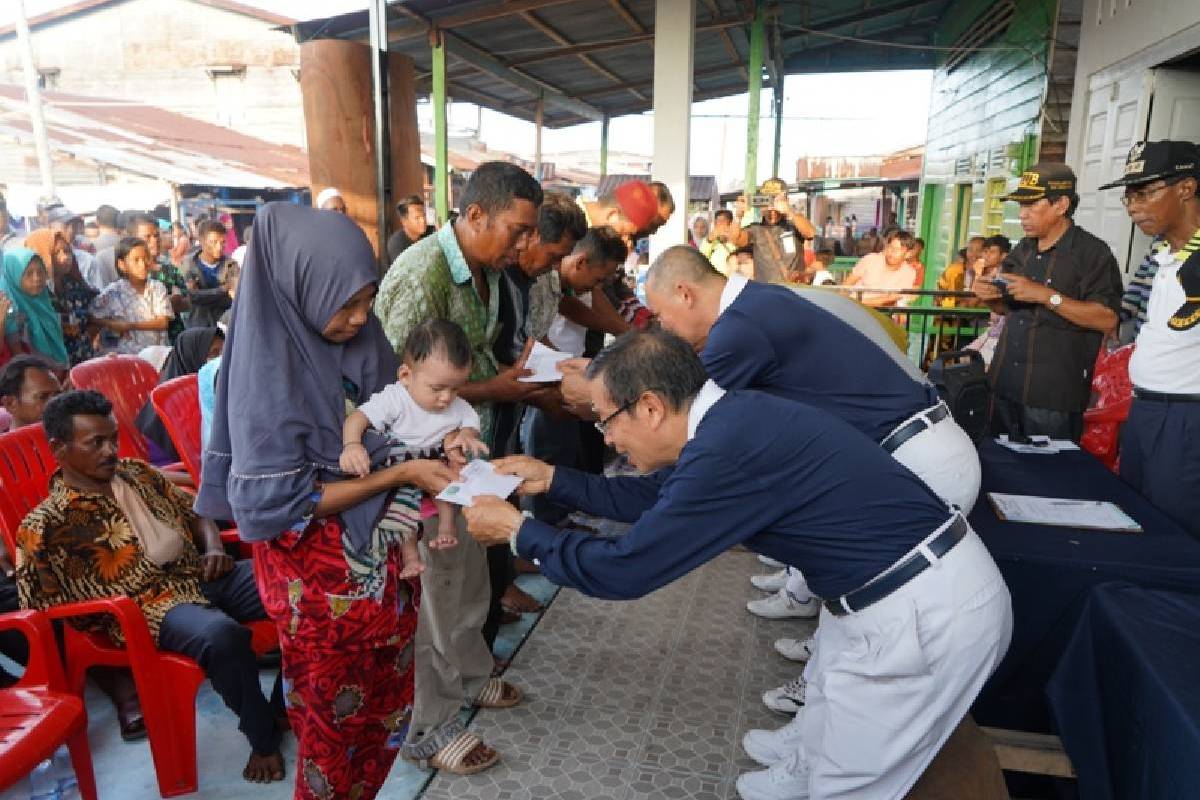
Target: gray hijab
{"x": 282, "y": 388}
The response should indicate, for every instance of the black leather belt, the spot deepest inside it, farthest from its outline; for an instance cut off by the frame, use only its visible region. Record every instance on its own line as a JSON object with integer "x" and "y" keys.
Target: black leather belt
{"x": 908, "y": 569}
{"x": 1163, "y": 397}
{"x": 892, "y": 442}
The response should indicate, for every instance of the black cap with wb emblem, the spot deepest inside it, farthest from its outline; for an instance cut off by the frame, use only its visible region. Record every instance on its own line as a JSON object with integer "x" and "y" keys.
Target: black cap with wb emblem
{"x": 1152, "y": 161}
{"x": 1044, "y": 182}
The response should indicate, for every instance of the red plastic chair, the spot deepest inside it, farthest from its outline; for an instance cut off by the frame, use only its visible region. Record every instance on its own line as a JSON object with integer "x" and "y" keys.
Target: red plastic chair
{"x": 39, "y": 713}
{"x": 177, "y": 403}
{"x": 127, "y": 382}
{"x": 1112, "y": 397}
{"x": 166, "y": 683}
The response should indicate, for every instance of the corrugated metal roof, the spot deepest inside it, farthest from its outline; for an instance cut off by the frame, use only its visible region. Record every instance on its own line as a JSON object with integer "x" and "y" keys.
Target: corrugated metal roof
{"x": 150, "y": 141}
{"x": 592, "y": 58}
{"x": 700, "y": 187}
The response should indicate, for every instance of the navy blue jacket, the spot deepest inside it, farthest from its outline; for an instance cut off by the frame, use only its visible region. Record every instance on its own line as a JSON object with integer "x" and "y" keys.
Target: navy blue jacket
{"x": 772, "y": 339}
{"x": 786, "y": 479}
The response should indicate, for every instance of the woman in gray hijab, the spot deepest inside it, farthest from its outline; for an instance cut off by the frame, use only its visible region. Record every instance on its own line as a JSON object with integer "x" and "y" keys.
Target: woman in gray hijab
{"x": 303, "y": 346}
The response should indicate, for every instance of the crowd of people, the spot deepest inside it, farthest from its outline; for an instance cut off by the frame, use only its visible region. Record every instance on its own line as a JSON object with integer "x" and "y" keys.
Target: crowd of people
{"x": 733, "y": 405}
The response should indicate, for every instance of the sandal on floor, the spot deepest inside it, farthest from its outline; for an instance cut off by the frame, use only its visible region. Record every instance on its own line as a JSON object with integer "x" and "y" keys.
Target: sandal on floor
{"x": 497, "y": 693}
{"x": 452, "y": 757}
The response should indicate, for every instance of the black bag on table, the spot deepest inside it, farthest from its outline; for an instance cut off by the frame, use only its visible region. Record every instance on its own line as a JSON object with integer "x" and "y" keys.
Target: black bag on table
{"x": 961, "y": 380}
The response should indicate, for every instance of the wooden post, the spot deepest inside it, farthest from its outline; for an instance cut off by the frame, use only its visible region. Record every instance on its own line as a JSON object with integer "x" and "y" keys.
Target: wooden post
{"x": 339, "y": 114}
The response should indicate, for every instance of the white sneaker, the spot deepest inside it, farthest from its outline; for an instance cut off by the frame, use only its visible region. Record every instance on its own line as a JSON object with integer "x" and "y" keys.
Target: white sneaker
{"x": 782, "y": 605}
{"x": 770, "y": 562}
{"x": 787, "y": 780}
{"x": 771, "y": 747}
{"x": 795, "y": 649}
{"x": 771, "y": 582}
{"x": 787, "y": 699}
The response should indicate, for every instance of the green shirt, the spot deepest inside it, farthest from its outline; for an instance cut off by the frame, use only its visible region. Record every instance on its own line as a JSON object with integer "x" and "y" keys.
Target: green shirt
{"x": 431, "y": 280}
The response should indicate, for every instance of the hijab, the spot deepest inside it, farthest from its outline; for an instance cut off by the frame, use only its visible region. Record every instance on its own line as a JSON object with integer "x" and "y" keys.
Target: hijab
{"x": 43, "y": 323}
{"x": 42, "y": 242}
{"x": 282, "y": 388}
{"x": 186, "y": 358}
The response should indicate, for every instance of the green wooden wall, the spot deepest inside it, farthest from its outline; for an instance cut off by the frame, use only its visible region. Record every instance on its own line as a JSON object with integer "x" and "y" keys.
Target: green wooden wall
{"x": 984, "y": 120}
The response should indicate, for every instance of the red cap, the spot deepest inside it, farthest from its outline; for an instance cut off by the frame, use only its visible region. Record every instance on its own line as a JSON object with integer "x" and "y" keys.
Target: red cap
{"x": 637, "y": 202}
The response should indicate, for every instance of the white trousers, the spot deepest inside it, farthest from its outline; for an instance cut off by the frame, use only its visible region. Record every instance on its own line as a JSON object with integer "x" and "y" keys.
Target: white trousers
{"x": 887, "y": 685}
{"x": 944, "y": 458}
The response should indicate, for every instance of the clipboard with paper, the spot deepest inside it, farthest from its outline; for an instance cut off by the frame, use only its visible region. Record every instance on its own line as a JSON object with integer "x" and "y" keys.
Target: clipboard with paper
{"x": 1099, "y": 515}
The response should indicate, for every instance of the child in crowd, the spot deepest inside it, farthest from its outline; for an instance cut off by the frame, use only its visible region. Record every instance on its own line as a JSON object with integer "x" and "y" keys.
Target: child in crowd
{"x": 820, "y": 272}
{"x": 422, "y": 413}
{"x": 995, "y": 250}
{"x": 135, "y": 310}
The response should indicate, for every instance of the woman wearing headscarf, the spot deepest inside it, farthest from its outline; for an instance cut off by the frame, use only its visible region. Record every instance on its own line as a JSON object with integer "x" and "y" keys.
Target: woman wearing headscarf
{"x": 194, "y": 348}
{"x": 32, "y": 324}
{"x": 71, "y": 296}
{"x": 302, "y": 347}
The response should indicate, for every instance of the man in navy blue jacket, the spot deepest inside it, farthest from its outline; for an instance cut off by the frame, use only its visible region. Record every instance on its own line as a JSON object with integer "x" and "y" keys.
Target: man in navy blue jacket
{"x": 830, "y": 352}
{"x": 897, "y": 567}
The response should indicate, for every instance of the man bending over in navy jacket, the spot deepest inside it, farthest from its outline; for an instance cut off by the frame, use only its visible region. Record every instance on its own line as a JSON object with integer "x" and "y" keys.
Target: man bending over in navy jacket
{"x": 899, "y": 569}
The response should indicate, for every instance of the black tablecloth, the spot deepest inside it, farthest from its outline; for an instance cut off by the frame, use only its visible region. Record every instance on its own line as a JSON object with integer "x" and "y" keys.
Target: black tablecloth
{"x": 1126, "y": 696}
{"x": 1050, "y": 570}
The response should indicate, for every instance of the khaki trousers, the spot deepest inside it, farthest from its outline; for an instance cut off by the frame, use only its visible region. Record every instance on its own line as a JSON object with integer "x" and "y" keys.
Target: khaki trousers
{"x": 452, "y": 660}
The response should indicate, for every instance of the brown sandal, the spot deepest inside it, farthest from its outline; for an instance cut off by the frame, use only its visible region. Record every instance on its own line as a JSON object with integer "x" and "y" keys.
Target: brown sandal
{"x": 453, "y": 756}
{"x": 497, "y": 693}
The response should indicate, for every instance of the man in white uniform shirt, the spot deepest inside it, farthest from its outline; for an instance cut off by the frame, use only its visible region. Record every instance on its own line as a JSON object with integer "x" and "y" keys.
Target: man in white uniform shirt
{"x": 1159, "y": 456}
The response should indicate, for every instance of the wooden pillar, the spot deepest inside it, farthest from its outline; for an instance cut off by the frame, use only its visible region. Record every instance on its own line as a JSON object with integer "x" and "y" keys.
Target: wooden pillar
{"x": 339, "y": 117}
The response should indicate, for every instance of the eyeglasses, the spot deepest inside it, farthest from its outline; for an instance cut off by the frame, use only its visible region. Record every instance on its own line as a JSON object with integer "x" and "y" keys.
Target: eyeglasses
{"x": 1143, "y": 195}
{"x": 603, "y": 424}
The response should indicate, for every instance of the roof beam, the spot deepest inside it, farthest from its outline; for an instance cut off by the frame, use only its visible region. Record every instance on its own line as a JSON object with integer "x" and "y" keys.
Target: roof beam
{"x": 492, "y": 11}
{"x": 726, "y": 39}
{"x": 485, "y": 62}
{"x": 625, "y": 14}
{"x": 648, "y": 84}
{"x": 880, "y": 10}
{"x": 617, "y": 44}
{"x": 553, "y": 35}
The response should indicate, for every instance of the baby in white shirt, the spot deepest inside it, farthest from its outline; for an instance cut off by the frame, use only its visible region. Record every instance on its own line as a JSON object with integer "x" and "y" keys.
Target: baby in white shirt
{"x": 423, "y": 414}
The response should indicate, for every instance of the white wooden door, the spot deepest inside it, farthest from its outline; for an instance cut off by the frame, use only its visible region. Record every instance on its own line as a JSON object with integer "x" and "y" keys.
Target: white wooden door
{"x": 1116, "y": 118}
{"x": 1174, "y": 114}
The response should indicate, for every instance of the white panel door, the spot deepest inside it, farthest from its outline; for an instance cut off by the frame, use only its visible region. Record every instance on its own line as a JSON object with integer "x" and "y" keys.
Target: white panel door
{"x": 1174, "y": 114}
{"x": 1116, "y": 117}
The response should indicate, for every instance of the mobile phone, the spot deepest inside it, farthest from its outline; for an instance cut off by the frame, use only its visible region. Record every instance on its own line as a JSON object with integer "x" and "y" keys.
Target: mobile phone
{"x": 1001, "y": 283}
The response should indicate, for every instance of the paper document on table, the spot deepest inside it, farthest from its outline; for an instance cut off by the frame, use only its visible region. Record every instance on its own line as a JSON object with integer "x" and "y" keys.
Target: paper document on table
{"x": 1096, "y": 514}
{"x": 1037, "y": 444}
{"x": 479, "y": 478}
{"x": 543, "y": 363}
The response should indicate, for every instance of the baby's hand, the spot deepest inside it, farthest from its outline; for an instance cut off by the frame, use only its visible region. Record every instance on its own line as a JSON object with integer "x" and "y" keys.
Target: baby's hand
{"x": 354, "y": 459}
{"x": 468, "y": 440}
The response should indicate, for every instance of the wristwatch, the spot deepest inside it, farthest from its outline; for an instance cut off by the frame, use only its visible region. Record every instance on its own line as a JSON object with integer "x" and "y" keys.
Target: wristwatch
{"x": 1056, "y": 300}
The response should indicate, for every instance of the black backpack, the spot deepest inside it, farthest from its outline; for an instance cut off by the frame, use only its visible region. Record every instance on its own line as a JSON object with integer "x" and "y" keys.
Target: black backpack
{"x": 961, "y": 380}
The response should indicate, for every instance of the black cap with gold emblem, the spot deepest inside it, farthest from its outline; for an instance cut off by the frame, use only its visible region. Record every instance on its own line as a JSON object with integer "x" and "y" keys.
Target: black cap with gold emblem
{"x": 1044, "y": 181}
{"x": 1151, "y": 161}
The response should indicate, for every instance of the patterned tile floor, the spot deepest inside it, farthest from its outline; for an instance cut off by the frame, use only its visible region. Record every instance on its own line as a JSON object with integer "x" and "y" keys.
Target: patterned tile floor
{"x": 646, "y": 699}
{"x": 625, "y": 701}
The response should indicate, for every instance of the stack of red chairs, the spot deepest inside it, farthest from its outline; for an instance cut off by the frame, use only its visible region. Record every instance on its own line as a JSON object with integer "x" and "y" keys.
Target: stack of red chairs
{"x": 40, "y": 712}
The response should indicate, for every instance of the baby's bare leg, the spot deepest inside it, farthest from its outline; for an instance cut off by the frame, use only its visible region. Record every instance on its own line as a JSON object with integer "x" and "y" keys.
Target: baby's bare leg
{"x": 447, "y": 535}
{"x": 411, "y": 556}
